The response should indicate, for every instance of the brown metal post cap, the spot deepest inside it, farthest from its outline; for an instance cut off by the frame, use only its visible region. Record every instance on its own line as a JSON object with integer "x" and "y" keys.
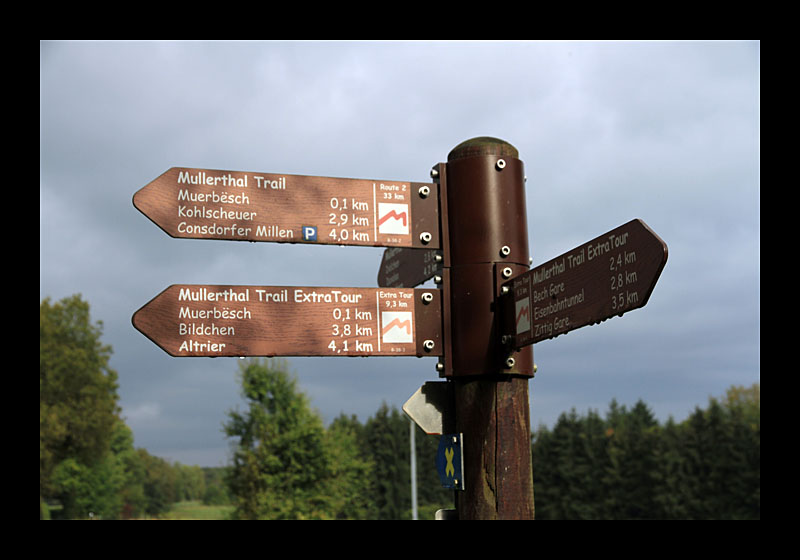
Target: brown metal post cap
{"x": 483, "y": 146}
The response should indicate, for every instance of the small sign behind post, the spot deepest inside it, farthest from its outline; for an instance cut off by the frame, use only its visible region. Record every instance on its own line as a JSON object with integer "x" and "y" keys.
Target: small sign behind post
{"x": 405, "y": 268}
{"x": 246, "y": 206}
{"x": 610, "y": 275}
{"x": 431, "y": 407}
{"x": 215, "y": 321}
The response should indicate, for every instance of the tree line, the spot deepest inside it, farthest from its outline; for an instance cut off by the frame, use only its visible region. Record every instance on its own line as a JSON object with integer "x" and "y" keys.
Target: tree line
{"x": 286, "y": 464}
{"x": 628, "y": 466}
{"x": 88, "y": 466}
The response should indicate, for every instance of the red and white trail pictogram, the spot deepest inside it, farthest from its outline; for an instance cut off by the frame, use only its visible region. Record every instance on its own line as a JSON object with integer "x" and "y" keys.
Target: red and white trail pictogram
{"x": 523, "y": 309}
{"x": 392, "y": 218}
{"x": 397, "y": 326}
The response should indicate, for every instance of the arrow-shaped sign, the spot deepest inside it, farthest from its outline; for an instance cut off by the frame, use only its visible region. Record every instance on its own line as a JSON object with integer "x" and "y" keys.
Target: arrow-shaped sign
{"x": 403, "y": 267}
{"x": 200, "y": 320}
{"x": 610, "y": 275}
{"x": 246, "y": 206}
{"x": 431, "y": 407}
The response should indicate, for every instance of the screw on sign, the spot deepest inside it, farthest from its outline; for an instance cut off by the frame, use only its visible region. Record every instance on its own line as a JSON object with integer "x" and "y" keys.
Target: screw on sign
{"x": 607, "y": 276}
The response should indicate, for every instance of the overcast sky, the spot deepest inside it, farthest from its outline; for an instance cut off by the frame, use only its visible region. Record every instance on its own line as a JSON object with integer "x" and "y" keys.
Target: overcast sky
{"x": 668, "y": 132}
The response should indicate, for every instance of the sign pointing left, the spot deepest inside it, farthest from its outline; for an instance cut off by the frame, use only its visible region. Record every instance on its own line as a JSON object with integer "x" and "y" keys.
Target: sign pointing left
{"x": 238, "y": 321}
{"x": 247, "y": 206}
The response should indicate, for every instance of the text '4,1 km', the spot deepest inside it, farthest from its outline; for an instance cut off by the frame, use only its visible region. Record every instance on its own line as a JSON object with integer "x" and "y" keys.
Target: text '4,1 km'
{"x": 195, "y": 320}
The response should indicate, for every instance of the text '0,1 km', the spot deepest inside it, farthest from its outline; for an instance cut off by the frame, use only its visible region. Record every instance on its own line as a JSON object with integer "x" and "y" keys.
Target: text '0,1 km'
{"x": 201, "y": 320}
{"x": 281, "y": 208}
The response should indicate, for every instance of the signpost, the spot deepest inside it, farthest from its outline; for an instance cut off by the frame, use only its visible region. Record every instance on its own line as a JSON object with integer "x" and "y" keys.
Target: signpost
{"x": 214, "y": 321}
{"x": 246, "y": 206}
{"x": 467, "y": 230}
{"x": 607, "y": 276}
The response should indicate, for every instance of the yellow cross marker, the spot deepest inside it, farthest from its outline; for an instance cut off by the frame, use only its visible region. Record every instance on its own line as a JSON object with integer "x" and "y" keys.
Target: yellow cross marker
{"x": 448, "y": 453}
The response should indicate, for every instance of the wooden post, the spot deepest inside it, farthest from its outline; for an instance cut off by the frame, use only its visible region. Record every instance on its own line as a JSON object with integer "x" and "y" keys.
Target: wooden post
{"x": 485, "y": 238}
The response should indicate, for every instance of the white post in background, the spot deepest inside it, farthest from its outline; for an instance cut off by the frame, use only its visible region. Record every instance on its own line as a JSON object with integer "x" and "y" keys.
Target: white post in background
{"x": 413, "y": 470}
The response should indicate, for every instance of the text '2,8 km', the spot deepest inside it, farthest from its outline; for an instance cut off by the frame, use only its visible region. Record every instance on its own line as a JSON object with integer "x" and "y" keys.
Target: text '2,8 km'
{"x": 607, "y": 276}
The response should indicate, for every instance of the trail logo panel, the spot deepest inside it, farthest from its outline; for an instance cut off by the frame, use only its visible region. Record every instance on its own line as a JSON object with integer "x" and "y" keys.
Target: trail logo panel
{"x": 397, "y": 327}
{"x": 393, "y": 218}
{"x": 523, "y": 314}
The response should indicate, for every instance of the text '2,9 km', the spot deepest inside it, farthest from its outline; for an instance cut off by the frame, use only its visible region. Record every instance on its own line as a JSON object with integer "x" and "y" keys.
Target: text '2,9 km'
{"x": 246, "y": 206}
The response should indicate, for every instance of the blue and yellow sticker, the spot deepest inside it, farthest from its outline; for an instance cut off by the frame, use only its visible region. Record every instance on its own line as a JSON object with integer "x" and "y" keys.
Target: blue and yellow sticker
{"x": 450, "y": 461}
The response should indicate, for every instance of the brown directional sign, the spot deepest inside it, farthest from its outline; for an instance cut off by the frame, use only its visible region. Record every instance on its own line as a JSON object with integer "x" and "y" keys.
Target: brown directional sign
{"x": 405, "y": 268}
{"x": 201, "y": 320}
{"x": 247, "y": 206}
{"x": 610, "y": 275}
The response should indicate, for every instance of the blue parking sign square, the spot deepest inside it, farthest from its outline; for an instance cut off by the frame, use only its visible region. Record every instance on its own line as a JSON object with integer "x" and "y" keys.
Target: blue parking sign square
{"x": 309, "y": 233}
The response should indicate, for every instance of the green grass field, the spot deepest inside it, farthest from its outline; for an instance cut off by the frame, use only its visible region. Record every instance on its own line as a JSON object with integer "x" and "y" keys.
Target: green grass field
{"x": 196, "y": 510}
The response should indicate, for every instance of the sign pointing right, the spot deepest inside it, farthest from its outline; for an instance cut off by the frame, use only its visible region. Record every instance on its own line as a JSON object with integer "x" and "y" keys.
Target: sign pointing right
{"x": 610, "y": 275}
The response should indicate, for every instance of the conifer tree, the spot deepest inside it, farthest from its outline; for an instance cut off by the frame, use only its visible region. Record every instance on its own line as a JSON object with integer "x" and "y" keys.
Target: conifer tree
{"x": 351, "y": 470}
{"x": 671, "y": 474}
{"x": 629, "y": 478}
{"x": 387, "y": 440}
